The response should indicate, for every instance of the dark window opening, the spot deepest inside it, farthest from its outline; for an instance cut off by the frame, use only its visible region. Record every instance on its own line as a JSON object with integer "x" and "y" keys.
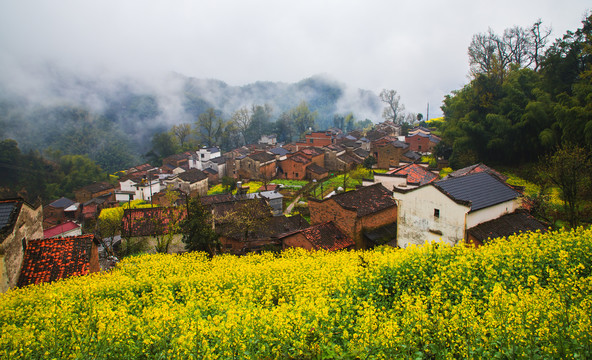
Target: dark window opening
{"x": 437, "y": 213}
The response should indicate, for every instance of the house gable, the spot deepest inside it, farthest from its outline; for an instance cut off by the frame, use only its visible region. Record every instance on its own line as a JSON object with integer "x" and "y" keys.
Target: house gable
{"x": 428, "y": 214}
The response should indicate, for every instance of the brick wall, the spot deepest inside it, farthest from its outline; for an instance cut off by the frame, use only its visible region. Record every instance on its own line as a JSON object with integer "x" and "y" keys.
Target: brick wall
{"x": 418, "y": 143}
{"x": 296, "y": 241}
{"x": 318, "y": 139}
{"x": 293, "y": 170}
{"x": 347, "y": 220}
{"x": 387, "y": 155}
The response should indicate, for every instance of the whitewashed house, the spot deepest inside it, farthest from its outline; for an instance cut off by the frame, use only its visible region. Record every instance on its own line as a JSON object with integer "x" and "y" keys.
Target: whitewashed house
{"x": 447, "y": 209}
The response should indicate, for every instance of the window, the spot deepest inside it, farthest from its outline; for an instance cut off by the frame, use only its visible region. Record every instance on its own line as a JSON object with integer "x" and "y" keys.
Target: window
{"x": 311, "y": 141}
{"x": 436, "y": 213}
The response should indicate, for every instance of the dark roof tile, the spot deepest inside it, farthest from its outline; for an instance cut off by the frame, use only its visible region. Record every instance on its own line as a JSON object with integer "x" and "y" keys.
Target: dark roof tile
{"x": 509, "y": 224}
{"x": 327, "y": 236}
{"x": 366, "y": 200}
{"x": 481, "y": 189}
{"x": 192, "y": 175}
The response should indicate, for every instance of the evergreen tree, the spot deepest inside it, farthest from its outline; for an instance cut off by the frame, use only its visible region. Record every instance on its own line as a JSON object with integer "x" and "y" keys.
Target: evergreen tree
{"x": 198, "y": 234}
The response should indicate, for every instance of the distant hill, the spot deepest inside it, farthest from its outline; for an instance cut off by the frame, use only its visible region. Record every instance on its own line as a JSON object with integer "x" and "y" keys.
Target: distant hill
{"x": 106, "y": 117}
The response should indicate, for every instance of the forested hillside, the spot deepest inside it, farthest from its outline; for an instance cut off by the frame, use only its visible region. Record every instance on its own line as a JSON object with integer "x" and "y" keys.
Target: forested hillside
{"x": 113, "y": 121}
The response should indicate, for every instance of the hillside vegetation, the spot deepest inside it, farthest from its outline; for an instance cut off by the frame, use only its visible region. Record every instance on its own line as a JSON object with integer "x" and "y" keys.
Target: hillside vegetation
{"x": 526, "y": 297}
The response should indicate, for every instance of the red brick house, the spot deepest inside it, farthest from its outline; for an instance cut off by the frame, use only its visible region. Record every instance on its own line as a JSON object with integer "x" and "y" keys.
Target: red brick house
{"x": 316, "y": 172}
{"x": 319, "y": 138}
{"x": 324, "y": 236}
{"x": 422, "y": 142}
{"x": 259, "y": 165}
{"x": 388, "y": 151}
{"x": 357, "y": 212}
{"x": 178, "y": 160}
{"x": 48, "y": 260}
{"x": 59, "y": 211}
{"x": 294, "y": 167}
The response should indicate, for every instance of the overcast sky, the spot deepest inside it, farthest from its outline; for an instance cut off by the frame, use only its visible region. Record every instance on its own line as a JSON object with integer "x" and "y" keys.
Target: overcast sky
{"x": 418, "y": 48}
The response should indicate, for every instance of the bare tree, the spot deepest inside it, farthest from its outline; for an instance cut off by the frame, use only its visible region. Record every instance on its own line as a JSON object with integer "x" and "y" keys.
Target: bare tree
{"x": 181, "y": 131}
{"x": 482, "y": 53}
{"x": 539, "y": 42}
{"x": 242, "y": 120}
{"x": 208, "y": 125}
{"x": 516, "y": 45}
{"x": 394, "y": 108}
{"x": 492, "y": 55}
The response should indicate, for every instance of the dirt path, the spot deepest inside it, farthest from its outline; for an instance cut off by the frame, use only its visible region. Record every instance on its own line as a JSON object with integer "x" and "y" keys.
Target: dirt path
{"x": 291, "y": 206}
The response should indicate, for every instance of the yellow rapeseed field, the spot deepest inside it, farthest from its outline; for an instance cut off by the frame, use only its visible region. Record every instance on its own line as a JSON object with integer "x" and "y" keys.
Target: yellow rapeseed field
{"x": 527, "y": 297}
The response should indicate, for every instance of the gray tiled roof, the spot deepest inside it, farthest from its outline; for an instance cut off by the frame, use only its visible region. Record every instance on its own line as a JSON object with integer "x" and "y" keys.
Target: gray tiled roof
{"x": 279, "y": 151}
{"x": 6, "y": 210}
{"x": 507, "y": 225}
{"x": 62, "y": 203}
{"x": 481, "y": 189}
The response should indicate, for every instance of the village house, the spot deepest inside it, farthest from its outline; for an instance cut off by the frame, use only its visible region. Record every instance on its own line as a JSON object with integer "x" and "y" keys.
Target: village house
{"x": 67, "y": 229}
{"x": 388, "y": 152}
{"x": 332, "y": 160}
{"x": 280, "y": 153}
{"x": 48, "y": 260}
{"x": 237, "y": 239}
{"x": 92, "y": 208}
{"x": 231, "y": 160}
{"x": 294, "y": 167}
{"x": 19, "y": 223}
{"x": 59, "y": 211}
{"x": 268, "y": 140}
{"x": 446, "y": 209}
{"x": 138, "y": 187}
{"x": 477, "y": 168}
{"x": 267, "y": 236}
{"x": 421, "y": 142}
{"x": 319, "y": 138}
{"x": 193, "y": 182}
{"x": 140, "y": 169}
{"x": 510, "y": 224}
{"x": 389, "y": 128}
{"x": 169, "y": 197}
{"x": 359, "y": 213}
{"x": 94, "y": 190}
{"x": 324, "y": 236}
{"x": 405, "y": 177}
{"x": 259, "y": 165}
{"x": 202, "y": 156}
{"x": 274, "y": 199}
{"x": 149, "y": 225}
{"x": 177, "y": 160}
{"x": 217, "y": 165}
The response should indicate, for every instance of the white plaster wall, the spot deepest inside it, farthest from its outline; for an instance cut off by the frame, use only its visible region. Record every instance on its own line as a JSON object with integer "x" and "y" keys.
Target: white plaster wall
{"x": 416, "y": 223}
{"x": 492, "y": 212}
{"x": 127, "y": 185}
{"x": 389, "y": 181}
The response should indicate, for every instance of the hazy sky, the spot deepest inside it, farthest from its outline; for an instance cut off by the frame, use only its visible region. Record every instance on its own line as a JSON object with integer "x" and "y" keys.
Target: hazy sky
{"x": 418, "y": 48}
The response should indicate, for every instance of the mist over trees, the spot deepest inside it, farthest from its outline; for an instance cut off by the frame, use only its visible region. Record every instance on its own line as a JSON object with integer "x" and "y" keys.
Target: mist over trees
{"x": 120, "y": 123}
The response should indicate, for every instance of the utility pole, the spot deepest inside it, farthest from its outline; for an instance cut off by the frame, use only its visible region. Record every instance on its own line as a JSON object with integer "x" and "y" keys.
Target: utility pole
{"x": 428, "y": 113}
